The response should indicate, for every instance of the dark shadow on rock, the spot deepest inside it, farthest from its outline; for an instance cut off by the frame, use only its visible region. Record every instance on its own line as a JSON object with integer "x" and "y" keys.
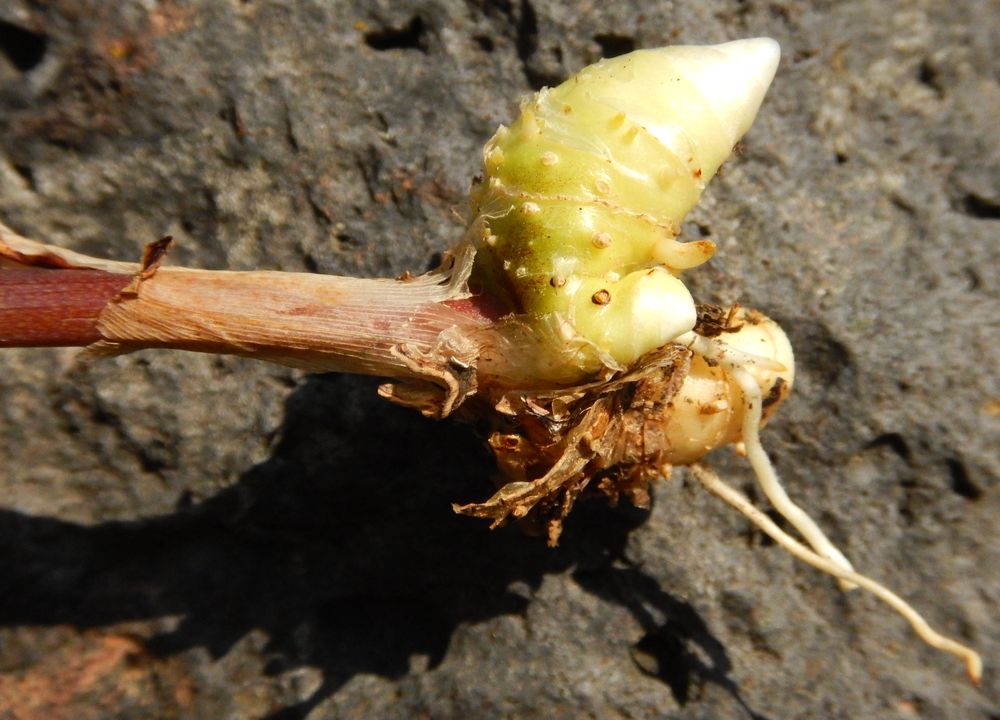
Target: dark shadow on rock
{"x": 342, "y": 548}
{"x": 677, "y": 638}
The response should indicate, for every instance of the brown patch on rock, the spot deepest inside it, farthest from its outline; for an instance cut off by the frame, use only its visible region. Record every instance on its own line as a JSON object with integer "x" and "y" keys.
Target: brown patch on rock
{"x": 94, "y": 675}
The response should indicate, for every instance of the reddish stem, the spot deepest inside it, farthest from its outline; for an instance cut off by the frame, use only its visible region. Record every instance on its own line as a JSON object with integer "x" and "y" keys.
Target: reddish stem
{"x": 481, "y": 307}
{"x": 52, "y": 308}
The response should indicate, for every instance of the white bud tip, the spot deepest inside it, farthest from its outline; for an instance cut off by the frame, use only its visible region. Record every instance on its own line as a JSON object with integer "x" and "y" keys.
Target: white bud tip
{"x": 697, "y": 100}
{"x": 733, "y": 77}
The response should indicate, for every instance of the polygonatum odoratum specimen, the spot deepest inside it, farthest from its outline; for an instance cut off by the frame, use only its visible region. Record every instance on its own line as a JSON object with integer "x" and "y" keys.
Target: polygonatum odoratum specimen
{"x": 560, "y": 323}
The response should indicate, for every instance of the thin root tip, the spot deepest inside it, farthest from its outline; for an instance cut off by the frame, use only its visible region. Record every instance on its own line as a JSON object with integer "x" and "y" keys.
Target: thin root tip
{"x": 974, "y": 668}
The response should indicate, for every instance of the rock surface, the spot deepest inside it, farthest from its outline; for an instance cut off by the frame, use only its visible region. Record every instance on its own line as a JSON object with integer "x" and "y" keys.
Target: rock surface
{"x": 201, "y": 537}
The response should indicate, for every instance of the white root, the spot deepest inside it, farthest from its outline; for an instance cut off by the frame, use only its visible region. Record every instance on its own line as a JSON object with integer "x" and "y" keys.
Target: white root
{"x": 771, "y": 484}
{"x": 715, "y": 485}
{"x": 727, "y": 355}
{"x": 735, "y": 362}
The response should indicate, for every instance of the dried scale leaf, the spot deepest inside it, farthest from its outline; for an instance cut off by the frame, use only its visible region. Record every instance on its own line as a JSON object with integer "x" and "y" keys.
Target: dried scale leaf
{"x": 607, "y": 433}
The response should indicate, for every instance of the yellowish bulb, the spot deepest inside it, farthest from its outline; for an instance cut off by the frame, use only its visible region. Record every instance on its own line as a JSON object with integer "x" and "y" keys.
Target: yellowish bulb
{"x": 709, "y": 408}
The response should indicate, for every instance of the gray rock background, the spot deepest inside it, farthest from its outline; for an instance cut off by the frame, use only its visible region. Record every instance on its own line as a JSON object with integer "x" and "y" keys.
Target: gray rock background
{"x": 186, "y": 536}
